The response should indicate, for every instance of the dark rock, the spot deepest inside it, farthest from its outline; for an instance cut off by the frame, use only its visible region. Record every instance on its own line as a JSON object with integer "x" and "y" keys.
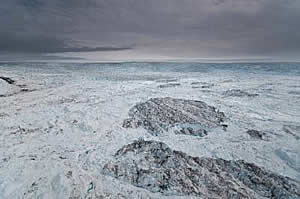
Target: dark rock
{"x": 154, "y": 166}
{"x": 191, "y": 131}
{"x": 169, "y": 85}
{"x": 202, "y": 85}
{"x": 62, "y": 157}
{"x": 238, "y": 93}
{"x": 206, "y": 86}
{"x": 26, "y": 90}
{"x": 196, "y": 83}
{"x": 256, "y": 134}
{"x": 159, "y": 115}
{"x": 69, "y": 174}
{"x": 8, "y": 80}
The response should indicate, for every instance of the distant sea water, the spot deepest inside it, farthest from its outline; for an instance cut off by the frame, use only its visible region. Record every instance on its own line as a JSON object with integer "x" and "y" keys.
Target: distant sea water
{"x": 260, "y": 68}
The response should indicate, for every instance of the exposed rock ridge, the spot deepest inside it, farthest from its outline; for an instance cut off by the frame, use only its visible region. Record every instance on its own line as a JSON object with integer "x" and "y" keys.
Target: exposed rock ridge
{"x": 154, "y": 166}
{"x": 159, "y": 115}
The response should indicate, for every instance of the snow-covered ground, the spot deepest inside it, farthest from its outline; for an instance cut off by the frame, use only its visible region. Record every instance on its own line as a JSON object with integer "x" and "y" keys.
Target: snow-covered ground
{"x": 60, "y": 123}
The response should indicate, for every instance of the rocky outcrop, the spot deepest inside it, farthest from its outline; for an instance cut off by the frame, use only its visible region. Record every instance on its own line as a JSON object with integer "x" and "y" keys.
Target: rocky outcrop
{"x": 255, "y": 134}
{"x": 154, "y": 166}
{"x": 159, "y": 115}
{"x": 238, "y": 93}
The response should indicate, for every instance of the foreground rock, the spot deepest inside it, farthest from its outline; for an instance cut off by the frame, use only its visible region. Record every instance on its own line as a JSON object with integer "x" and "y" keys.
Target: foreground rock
{"x": 154, "y": 166}
{"x": 159, "y": 115}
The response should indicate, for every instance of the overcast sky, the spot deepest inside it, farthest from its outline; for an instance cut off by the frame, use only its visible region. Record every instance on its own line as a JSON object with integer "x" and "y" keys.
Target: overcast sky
{"x": 151, "y": 28}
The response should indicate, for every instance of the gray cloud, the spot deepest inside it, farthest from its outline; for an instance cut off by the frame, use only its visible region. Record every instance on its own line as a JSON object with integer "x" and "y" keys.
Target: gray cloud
{"x": 20, "y": 43}
{"x": 191, "y": 28}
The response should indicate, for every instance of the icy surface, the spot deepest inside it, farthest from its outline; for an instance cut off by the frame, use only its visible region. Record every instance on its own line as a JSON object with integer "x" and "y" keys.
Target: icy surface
{"x": 58, "y": 133}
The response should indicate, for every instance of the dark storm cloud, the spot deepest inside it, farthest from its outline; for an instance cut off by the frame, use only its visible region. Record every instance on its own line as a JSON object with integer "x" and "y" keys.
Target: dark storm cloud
{"x": 171, "y": 27}
{"x": 37, "y": 26}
